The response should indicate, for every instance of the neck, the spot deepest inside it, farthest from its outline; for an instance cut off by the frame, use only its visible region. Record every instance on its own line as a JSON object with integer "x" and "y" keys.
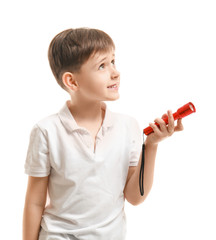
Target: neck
{"x": 85, "y": 111}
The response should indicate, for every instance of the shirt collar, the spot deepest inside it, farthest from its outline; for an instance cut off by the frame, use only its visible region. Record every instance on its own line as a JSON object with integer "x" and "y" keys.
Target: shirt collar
{"x": 70, "y": 124}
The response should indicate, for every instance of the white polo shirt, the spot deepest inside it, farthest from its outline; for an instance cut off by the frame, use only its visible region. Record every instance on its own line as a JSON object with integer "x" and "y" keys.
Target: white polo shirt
{"x": 85, "y": 187}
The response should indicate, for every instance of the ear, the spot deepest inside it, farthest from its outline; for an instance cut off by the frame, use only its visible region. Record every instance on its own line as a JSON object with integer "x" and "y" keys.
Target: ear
{"x": 69, "y": 81}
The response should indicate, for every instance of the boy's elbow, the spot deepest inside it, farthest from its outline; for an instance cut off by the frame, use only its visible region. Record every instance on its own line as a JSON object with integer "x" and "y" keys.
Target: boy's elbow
{"x": 136, "y": 201}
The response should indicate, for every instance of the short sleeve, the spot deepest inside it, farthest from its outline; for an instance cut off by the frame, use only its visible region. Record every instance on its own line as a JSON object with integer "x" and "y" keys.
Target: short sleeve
{"x": 37, "y": 161}
{"x": 136, "y": 143}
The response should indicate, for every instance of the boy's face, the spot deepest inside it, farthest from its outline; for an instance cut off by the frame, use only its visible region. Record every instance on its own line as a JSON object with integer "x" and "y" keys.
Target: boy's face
{"x": 98, "y": 78}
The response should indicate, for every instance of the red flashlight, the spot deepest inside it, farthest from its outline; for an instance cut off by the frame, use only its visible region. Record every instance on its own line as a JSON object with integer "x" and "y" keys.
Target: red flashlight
{"x": 182, "y": 112}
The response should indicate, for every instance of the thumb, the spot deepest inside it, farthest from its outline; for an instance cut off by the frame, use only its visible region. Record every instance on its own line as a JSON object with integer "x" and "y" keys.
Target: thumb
{"x": 179, "y": 126}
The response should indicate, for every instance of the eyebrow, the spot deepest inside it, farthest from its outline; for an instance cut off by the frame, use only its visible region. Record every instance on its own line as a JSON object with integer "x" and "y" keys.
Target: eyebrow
{"x": 103, "y": 59}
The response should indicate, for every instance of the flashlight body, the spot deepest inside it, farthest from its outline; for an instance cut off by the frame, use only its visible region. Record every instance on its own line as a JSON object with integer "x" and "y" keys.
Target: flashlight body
{"x": 182, "y": 112}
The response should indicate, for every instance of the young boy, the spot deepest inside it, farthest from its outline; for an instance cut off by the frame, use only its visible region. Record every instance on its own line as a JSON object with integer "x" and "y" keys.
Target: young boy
{"x": 86, "y": 157}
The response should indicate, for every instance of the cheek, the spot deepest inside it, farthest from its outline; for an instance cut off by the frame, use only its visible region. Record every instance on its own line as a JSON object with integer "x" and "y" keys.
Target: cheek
{"x": 98, "y": 83}
{"x": 98, "y": 87}
{"x": 94, "y": 82}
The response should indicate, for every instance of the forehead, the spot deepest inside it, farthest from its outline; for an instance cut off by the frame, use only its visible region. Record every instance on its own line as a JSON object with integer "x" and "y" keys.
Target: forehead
{"x": 97, "y": 56}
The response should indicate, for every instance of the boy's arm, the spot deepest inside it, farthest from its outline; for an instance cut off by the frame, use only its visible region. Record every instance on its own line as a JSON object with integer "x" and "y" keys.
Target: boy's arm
{"x": 132, "y": 190}
{"x": 34, "y": 206}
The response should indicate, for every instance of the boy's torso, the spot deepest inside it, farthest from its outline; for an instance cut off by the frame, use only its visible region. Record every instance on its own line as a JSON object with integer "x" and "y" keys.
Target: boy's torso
{"x": 86, "y": 183}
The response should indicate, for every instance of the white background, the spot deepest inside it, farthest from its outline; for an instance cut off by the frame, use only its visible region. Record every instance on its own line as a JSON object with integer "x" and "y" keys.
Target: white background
{"x": 166, "y": 53}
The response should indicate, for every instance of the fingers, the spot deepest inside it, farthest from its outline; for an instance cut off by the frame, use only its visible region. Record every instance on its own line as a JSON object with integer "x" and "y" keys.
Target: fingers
{"x": 179, "y": 126}
{"x": 171, "y": 127}
{"x": 166, "y": 130}
{"x": 164, "y": 127}
{"x": 155, "y": 128}
{"x": 161, "y": 124}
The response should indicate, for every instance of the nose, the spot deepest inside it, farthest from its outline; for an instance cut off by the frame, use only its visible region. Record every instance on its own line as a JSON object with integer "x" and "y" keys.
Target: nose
{"x": 115, "y": 74}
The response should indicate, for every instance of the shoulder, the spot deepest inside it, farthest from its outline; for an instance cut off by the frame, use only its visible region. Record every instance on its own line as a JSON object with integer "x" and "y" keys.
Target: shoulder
{"x": 126, "y": 120}
{"x": 126, "y": 124}
{"x": 47, "y": 124}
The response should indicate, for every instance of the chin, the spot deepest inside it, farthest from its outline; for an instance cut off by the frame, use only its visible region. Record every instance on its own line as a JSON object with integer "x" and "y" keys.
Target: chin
{"x": 113, "y": 98}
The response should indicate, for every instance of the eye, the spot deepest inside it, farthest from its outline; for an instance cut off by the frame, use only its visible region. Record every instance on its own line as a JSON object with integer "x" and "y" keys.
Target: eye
{"x": 113, "y": 62}
{"x": 101, "y": 66}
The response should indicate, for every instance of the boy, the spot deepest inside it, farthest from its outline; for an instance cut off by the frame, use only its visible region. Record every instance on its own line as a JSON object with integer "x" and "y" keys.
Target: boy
{"x": 86, "y": 157}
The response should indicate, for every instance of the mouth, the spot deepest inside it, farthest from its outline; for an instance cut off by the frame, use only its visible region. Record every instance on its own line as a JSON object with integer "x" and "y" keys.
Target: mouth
{"x": 114, "y": 86}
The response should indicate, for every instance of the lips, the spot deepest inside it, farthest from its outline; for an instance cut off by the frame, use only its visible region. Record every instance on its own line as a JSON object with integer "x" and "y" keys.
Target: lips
{"x": 113, "y": 86}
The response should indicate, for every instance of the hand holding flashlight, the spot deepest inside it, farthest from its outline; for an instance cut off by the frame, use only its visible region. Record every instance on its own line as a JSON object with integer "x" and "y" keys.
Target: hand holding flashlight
{"x": 182, "y": 112}
{"x": 163, "y": 132}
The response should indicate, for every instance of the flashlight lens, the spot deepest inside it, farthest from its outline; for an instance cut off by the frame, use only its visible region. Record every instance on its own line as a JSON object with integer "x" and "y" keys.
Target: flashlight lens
{"x": 191, "y": 107}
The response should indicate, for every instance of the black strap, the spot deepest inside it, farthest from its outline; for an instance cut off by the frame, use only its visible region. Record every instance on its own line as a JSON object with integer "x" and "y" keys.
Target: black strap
{"x": 141, "y": 176}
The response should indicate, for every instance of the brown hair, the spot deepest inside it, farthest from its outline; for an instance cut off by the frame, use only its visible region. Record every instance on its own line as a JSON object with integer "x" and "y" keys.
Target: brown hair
{"x": 71, "y": 48}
